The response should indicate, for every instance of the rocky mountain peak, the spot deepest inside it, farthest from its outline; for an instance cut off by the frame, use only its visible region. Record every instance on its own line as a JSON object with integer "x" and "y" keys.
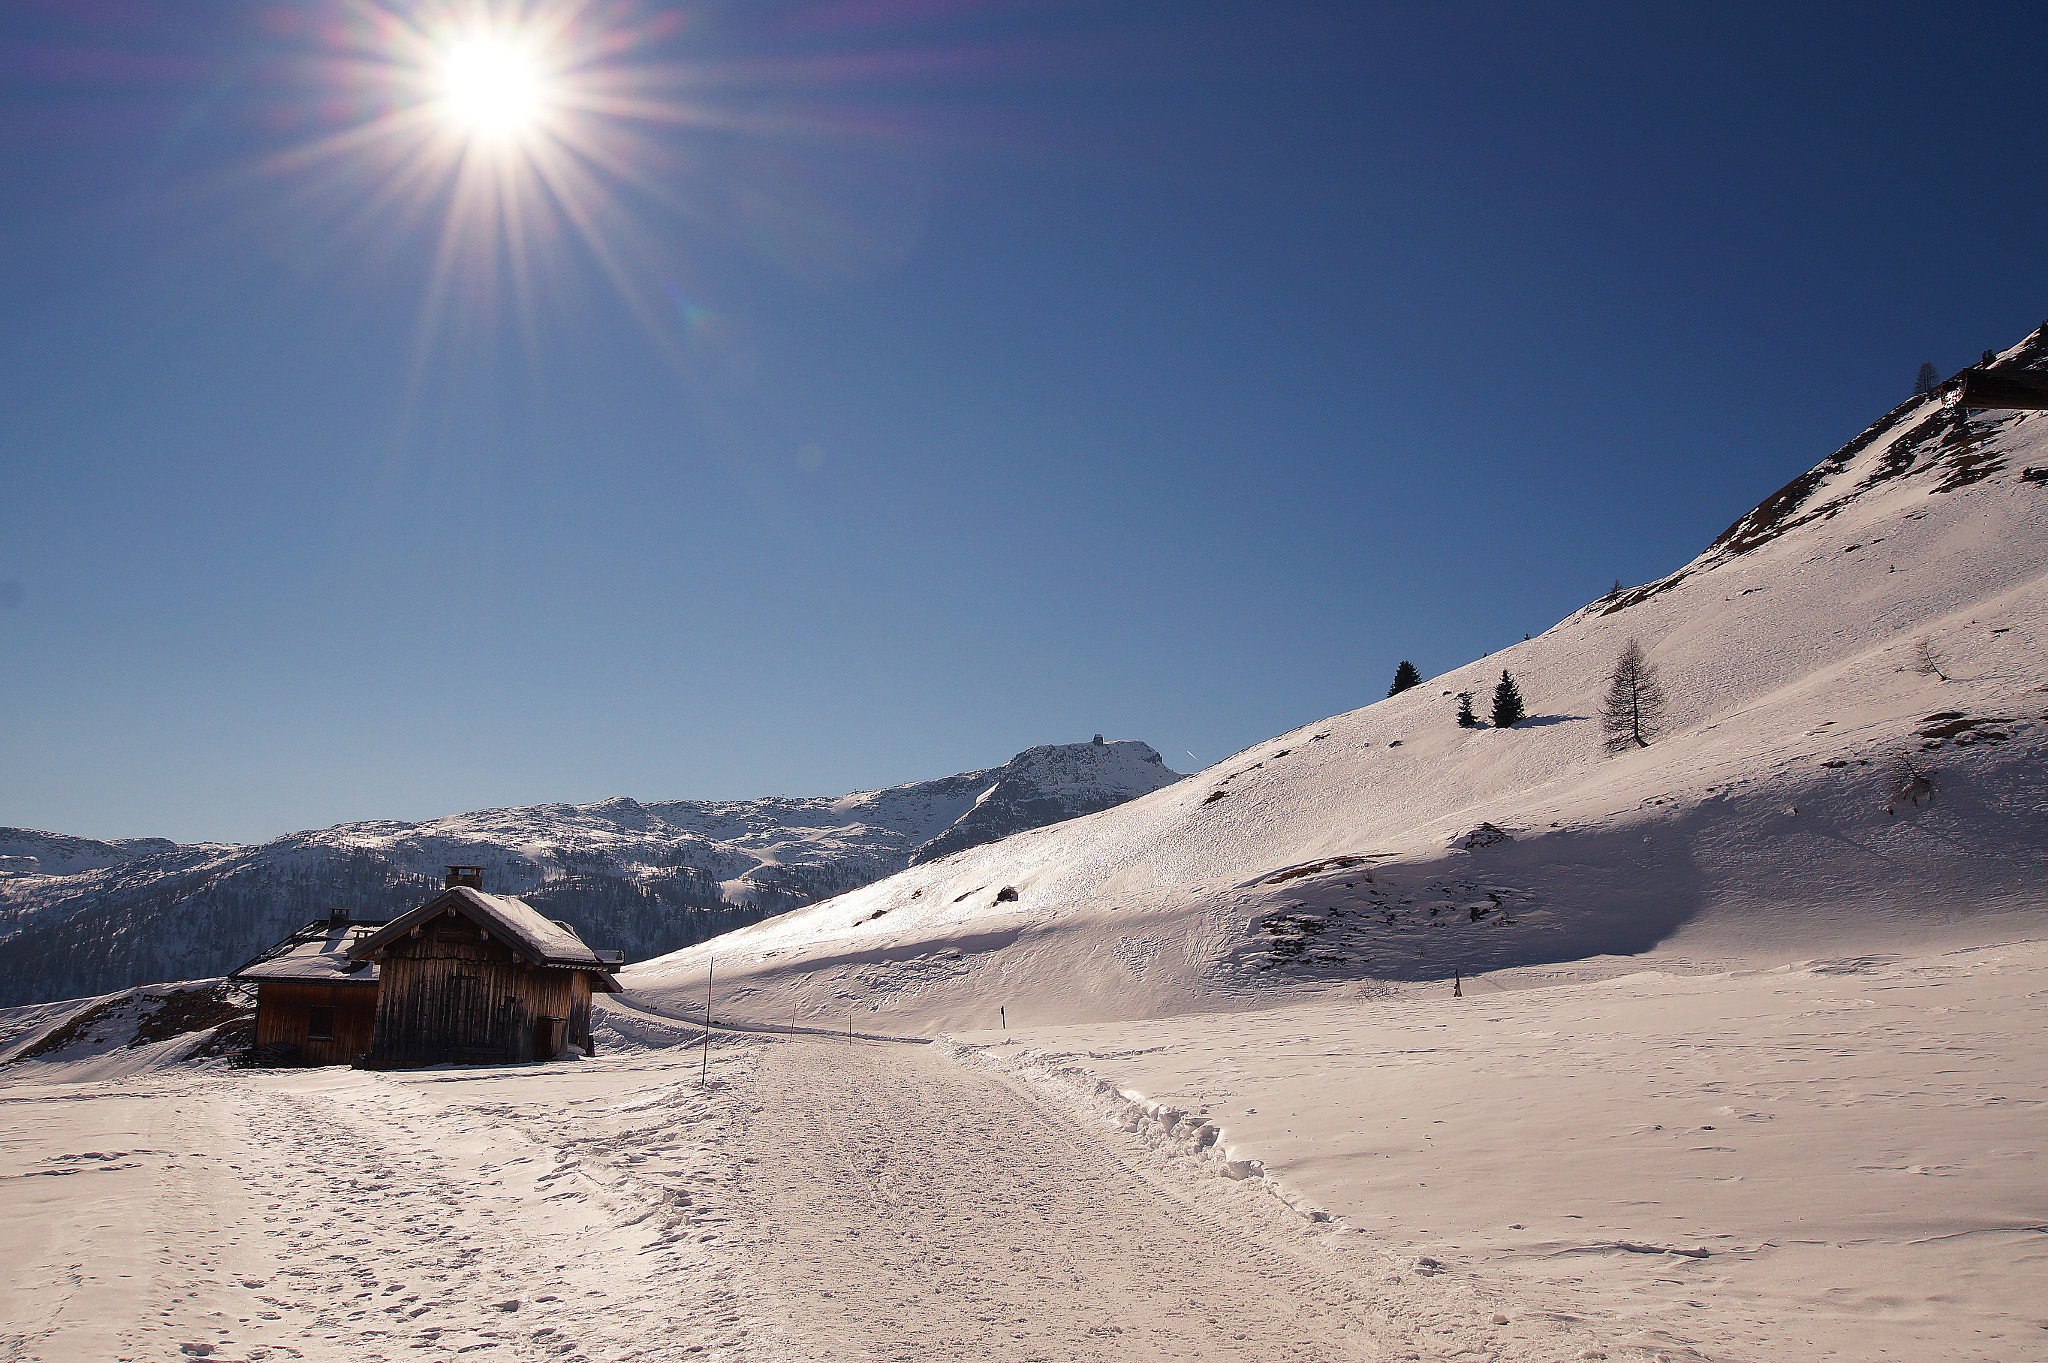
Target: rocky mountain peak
{"x": 1051, "y": 784}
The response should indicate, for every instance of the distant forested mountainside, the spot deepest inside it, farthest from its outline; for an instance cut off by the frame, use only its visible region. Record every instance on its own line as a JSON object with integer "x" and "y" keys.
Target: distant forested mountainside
{"x": 80, "y": 917}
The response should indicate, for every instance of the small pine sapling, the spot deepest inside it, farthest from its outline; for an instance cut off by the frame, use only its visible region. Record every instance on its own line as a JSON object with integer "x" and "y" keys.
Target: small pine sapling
{"x": 1466, "y": 719}
{"x": 1507, "y": 702}
{"x": 1926, "y": 661}
{"x": 1635, "y": 701}
{"x": 1405, "y": 676}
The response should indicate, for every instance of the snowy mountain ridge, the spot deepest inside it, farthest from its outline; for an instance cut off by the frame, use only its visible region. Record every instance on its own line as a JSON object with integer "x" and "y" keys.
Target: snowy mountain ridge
{"x": 1814, "y": 783}
{"x": 26, "y": 852}
{"x": 79, "y": 917}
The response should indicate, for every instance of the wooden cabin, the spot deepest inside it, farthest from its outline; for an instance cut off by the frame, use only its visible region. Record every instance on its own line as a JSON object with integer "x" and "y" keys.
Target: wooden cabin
{"x": 315, "y": 1004}
{"x": 478, "y": 978}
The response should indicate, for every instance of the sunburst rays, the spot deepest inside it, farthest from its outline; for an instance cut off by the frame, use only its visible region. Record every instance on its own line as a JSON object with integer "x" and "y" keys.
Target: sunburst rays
{"x": 504, "y": 130}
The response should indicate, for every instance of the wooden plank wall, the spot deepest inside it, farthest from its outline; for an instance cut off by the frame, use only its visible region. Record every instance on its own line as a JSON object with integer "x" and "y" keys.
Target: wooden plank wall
{"x": 452, "y": 994}
{"x": 284, "y": 1007}
{"x": 579, "y": 1015}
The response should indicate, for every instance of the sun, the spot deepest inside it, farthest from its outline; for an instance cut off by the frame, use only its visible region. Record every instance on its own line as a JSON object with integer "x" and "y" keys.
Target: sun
{"x": 493, "y": 88}
{"x": 520, "y": 151}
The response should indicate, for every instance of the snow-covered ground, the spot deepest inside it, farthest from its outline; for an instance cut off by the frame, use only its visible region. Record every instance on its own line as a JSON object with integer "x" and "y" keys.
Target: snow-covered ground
{"x": 330, "y": 1214}
{"x": 819, "y": 1199}
{"x": 1831, "y": 1159}
{"x": 1839, "y": 1159}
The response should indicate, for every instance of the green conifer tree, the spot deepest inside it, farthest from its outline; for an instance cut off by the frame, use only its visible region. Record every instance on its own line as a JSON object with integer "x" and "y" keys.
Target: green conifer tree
{"x": 1507, "y": 702}
{"x": 1405, "y": 676}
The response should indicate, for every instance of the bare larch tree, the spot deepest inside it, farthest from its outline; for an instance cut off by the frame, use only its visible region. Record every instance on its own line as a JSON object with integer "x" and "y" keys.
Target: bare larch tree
{"x": 1927, "y": 660}
{"x": 1634, "y": 709}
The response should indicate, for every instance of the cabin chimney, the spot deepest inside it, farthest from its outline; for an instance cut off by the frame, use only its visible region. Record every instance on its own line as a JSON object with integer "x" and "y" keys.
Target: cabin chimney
{"x": 471, "y": 876}
{"x": 337, "y": 915}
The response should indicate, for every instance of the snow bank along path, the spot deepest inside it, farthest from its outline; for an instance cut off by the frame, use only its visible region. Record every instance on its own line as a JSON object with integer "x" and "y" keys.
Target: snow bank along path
{"x": 1842, "y": 1159}
{"x": 910, "y": 1208}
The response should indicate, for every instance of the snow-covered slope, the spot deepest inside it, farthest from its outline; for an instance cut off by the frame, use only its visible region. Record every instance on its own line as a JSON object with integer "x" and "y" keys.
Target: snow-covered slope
{"x": 1813, "y": 786}
{"x": 130, "y": 1032}
{"x": 642, "y": 878}
{"x": 25, "y": 852}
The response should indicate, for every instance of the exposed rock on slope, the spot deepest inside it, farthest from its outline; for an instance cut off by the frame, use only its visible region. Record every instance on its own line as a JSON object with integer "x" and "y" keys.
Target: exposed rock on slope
{"x": 642, "y": 878}
{"x": 1944, "y": 448}
{"x": 126, "y": 1033}
{"x": 1794, "y": 800}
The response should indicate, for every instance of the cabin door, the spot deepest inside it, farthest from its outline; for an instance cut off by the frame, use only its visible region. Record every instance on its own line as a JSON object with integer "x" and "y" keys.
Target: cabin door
{"x": 546, "y": 1032}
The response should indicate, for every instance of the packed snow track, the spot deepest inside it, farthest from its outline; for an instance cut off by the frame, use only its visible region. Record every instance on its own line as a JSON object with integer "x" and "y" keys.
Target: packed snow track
{"x": 813, "y": 1199}
{"x": 913, "y": 1209}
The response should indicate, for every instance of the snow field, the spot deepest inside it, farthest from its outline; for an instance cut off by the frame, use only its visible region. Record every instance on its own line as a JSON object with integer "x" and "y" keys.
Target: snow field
{"x": 820, "y": 1199}
{"x": 1838, "y": 1159}
{"x": 1843, "y": 1159}
{"x": 572, "y": 1211}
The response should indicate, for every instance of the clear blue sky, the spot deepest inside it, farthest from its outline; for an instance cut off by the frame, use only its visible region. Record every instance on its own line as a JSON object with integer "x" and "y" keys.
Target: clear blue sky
{"x": 920, "y": 380}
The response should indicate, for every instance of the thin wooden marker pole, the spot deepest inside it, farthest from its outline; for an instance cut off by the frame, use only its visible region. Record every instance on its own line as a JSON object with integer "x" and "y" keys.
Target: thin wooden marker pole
{"x": 1004, "y": 1014}
{"x": 704, "y": 1075}
{"x": 849, "y": 1026}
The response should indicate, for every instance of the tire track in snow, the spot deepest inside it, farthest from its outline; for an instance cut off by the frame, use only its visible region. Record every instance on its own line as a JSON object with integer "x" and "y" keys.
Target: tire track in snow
{"x": 909, "y": 1209}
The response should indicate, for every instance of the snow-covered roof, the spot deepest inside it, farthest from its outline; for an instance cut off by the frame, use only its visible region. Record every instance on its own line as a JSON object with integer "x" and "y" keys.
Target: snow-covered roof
{"x": 516, "y": 922}
{"x": 316, "y": 954}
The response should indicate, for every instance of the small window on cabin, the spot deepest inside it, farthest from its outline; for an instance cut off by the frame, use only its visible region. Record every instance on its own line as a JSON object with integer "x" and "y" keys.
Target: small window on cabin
{"x": 320, "y": 1024}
